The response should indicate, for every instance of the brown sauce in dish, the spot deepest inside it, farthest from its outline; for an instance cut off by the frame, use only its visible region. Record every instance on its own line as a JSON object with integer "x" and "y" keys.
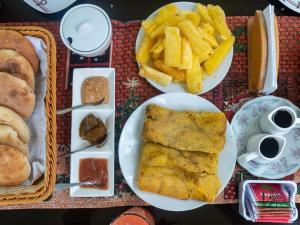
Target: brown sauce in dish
{"x": 92, "y": 129}
{"x": 94, "y": 89}
{"x": 94, "y": 170}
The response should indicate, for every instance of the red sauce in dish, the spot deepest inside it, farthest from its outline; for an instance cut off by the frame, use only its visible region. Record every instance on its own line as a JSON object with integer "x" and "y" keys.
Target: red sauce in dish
{"x": 94, "y": 170}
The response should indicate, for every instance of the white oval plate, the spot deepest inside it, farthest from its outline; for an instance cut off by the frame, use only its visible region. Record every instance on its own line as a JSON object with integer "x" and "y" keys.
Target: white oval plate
{"x": 245, "y": 123}
{"x": 209, "y": 82}
{"x": 131, "y": 141}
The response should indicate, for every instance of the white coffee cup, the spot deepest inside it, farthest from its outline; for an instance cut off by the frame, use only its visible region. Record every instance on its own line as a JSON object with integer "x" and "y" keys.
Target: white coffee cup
{"x": 257, "y": 151}
{"x": 285, "y": 122}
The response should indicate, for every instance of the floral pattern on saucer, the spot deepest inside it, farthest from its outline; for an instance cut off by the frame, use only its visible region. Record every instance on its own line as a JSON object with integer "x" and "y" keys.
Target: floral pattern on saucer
{"x": 245, "y": 123}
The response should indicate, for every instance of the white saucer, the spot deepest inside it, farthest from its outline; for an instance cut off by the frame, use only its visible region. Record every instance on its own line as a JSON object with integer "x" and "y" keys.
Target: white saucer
{"x": 245, "y": 123}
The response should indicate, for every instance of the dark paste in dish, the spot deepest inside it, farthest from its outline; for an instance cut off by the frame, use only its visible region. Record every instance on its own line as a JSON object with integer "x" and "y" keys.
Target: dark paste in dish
{"x": 92, "y": 129}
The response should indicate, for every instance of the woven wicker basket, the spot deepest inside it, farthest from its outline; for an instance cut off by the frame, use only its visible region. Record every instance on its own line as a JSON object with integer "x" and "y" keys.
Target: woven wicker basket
{"x": 47, "y": 183}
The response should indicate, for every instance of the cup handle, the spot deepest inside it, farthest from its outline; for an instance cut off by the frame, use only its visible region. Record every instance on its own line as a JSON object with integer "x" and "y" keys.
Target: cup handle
{"x": 247, "y": 157}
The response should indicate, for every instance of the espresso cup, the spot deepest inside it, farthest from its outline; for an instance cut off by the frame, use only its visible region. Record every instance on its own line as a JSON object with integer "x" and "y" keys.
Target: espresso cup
{"x": 263, "y": 148}
{"x": 279, "y": 121}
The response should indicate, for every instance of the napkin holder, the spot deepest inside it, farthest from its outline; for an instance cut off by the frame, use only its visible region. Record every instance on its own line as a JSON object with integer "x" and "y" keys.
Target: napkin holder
{"x": 290, "y": 185}
{"x": 263, "y": 51}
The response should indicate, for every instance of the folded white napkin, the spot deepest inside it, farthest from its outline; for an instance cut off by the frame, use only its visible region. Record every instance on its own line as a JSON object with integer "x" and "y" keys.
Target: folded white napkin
{"x": 270, "y": 84}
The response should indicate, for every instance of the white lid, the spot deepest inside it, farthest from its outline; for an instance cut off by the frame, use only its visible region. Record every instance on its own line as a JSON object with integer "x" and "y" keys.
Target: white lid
{"x": 86, "y": 28}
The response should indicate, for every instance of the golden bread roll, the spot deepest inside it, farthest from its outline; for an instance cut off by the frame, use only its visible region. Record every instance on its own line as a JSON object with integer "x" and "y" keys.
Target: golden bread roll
{"x": 12, "y": 119}
{"x": 16, "y": 95}
{"x": 15, "y": 64}
{"x": 16, "y": 41}
{"x": 257, "y": 52}
{"x": 14, "y": 166}
{"x": 9, "y": 136}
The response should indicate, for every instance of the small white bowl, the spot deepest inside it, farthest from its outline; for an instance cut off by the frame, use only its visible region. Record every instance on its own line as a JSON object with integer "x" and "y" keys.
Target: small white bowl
{"x": 79, "y": 76}
{"x": 107, "y": 116}
{"x": 86, "y": 30}
{"x": 78, "y": 191}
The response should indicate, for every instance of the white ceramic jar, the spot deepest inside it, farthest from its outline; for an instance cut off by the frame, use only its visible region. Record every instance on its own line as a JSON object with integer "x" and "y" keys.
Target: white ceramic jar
{"x": 86, "y": 30}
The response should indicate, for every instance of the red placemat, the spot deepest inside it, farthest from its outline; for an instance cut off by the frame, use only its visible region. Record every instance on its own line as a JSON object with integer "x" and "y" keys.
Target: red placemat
{"x": 131, "y": 91}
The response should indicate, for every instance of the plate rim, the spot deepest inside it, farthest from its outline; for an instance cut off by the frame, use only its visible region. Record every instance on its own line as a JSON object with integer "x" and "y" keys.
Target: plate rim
{"x": 138, "y": 41}
{"x": 228, "y": 126}
{"x": 268, "y": 97}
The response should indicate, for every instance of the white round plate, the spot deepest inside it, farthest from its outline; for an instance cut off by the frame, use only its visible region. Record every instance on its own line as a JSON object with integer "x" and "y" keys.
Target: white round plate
{"x": 131, "y": 142}
{"x": 209, "y": 82}
{"x": 245, "y": 123}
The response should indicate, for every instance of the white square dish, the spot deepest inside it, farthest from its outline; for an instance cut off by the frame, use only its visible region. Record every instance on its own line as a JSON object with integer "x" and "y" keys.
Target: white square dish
{"x": 107, "y": 116}
{"x": 79, "y": 75}
{"x": 78, "y": 191}
{"x": 106, "y": 113}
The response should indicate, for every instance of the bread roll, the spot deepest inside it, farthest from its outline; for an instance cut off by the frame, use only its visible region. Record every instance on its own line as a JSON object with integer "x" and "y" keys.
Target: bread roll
{"x": 10, "y": 118}
{"x": 257, "y": 52}
{"x": 15, "y": 64}
{"x": 9, "y": 136}
{"x": 14, "y": 166}
{"x": 16, "y": 95}
{"x": 15, "y": 41}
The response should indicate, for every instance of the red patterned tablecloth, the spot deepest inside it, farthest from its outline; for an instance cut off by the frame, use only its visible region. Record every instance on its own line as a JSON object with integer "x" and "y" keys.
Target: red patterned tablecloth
{"x": 131, "y": 91}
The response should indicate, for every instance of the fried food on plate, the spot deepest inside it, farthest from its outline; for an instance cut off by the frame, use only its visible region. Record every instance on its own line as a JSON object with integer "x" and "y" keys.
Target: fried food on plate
{"x": 172, "y": 45}
{"x": 199, "y": 46}
{"x": 159, "y": 31}
{"x": 196, "y": 162}
{"x": 157, "y": 49}
{"x": 208, "y": 28}
{"x": 153, "y": 74}
{"x": 187, "y": 55}
{"x": 178, "y": 183}
{"x": 165, "y": 13}
{"x": 213, "y": 63}
{"x": 210, "y": 39}
{"x": 149, "y": 26}
{"x": 183, "y": 131}
{"x": 179, "y": 157}
{"x": 143, "y": 54}
{"x": 194, "y": 76}
{"x": 179, "y": 38}
{"x": 203, "y": 12}
{"x": 178, "y": 75}
{"x": 219, "y": 21}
